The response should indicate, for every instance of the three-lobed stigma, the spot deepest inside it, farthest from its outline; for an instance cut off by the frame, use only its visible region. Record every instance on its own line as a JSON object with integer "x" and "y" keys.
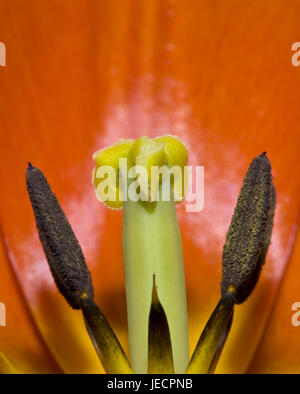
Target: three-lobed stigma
{"x": 146, "y": 162}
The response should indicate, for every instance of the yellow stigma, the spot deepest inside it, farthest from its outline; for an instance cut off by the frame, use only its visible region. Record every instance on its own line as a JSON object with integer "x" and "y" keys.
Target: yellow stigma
{"x": 152, "y": 155}
{"x": 110, "y": 157}
{"x": 176, "y": 154}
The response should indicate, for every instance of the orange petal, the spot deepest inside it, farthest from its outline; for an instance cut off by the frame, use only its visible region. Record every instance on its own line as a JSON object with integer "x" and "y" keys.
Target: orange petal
{"x": 278, "y": 350}
{"x": 23, "y": 349}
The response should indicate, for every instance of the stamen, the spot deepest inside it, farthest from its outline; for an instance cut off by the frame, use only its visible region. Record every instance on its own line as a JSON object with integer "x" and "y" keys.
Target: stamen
{"x": 62, "y": 250}
{"x": 212, "y": 339}
{"x": 107, "y": 345}
{"x": 70, "y": 272}
{"x": 160, "y": 357}
{"x": 244, "y": 253}
{"x": 220, "y": 346}
{"x": 249, "y": 234}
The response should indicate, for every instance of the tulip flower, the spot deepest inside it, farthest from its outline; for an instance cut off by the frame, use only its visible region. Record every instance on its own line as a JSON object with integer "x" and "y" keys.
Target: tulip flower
{"x": 80, "y": 76}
